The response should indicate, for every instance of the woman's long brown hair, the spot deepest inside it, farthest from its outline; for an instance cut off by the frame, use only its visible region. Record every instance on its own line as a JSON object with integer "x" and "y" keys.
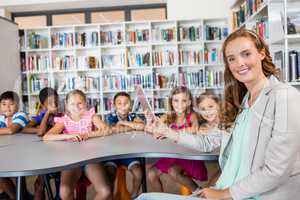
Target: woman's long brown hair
{"x": 234, "y": 91}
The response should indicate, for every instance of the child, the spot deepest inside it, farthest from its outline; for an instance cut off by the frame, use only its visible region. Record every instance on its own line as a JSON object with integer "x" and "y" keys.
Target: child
{"x": 122, "y": 121}
{"x": 76, "y": 125}
{"x": 208, "y": 108}
{"x": 180, "y": 117}
{"x": 11, "y": 122}
{"x": 40, "y": 124}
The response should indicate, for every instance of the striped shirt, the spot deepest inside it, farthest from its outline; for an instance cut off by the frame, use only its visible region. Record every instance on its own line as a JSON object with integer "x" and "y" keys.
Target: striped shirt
{"x": 19, "y": 118}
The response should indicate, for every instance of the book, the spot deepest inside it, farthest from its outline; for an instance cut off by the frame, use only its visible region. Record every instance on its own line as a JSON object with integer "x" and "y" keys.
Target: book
{"x": 37, "y": 41}
{"x": 189, "y": 33}
{"x": 189, "y": 57}
{"x": 163, "y": 58}
{"x": 86, "y": 39}
{"x": 139, "y": 35}
{"x": 111, "y": 37}
{"x": 62, "y": 40}
{"x": 164, "y": 34}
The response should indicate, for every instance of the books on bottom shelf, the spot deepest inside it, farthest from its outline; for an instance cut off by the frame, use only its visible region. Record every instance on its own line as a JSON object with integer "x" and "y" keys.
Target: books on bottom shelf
{"x": 126, "y": 82}
{"x": 294, "y": 65}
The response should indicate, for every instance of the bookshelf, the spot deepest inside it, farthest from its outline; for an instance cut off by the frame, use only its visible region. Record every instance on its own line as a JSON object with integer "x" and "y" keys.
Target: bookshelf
{"x": 102, "y": 59}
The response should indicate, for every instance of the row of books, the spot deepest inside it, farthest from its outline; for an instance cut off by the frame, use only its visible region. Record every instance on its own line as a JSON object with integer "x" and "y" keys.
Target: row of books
{"x": 213, "y": 55}
{"x": 191, "y": 33}
{"x": 87, "y": 62}
{"x": 136, "y": 59}
{"x": 37, "y": 41}
{"x": 70, "y": 82}
{"x": 194, "y": 79}
{"x": 214, "y": 78}
{"x": 126, "y": 82}
{"x": 141, "y": 35}
{"x": 294, "y": 65}
{"x": 62, "y": 40}
{"x": 167, "y": 35}
{"x": 63, "y": 62}
{"x": 86, "y": 39}
{"x": 261, "y": 27}
{"x": 163, "y": 58}
{"x": 164, "y": 81}
{"x": 246, "y": 9}
{"x": 36, "y": 83}
{"x": 37, "y": 63}
{"x": 111, "y": 37}
{"x": 160, "y": 103}
{"x": 189, "y": 57}
{"x": 93, "y": 103}
{"x": 215, "y": 33}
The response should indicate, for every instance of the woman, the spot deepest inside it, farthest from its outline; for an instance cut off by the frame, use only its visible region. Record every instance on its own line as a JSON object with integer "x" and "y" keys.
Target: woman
{"x": 260, "y": 158}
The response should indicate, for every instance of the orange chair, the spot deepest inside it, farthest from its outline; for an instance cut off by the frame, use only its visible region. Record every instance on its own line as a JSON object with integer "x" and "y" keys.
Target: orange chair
{"x": 185, "y": 191}
{"x": 122, "y": 192}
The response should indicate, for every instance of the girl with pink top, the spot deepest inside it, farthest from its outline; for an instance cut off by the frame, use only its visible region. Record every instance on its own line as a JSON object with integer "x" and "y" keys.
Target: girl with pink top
{"x": 76, "y": 125}
{"x": 180, "y": 117}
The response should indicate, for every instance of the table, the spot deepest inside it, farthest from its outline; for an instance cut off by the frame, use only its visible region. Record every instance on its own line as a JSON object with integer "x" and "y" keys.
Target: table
{"x": 27, "y": 155}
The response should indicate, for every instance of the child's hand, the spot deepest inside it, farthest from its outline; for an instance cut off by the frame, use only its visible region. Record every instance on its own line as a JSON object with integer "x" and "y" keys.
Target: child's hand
{"x": 122, "y": 123}
{"x": 211, "y": 193}
{"x": 76, "y": 137}
{"x": 159, "y": 136}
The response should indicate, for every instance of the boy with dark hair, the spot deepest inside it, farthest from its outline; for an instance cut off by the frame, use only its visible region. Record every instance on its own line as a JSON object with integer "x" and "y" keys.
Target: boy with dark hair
{"x": 122, "y": 120}
{"x": 11, "y": 122}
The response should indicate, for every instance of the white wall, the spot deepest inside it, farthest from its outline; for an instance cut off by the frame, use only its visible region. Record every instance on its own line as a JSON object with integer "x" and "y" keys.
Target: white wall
{"x": 191, "y": 9}
{"x": 5, "y": 13}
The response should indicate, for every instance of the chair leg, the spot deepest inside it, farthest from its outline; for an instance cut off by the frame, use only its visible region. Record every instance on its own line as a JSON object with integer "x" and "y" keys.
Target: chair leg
{"x": 48, "y": 188}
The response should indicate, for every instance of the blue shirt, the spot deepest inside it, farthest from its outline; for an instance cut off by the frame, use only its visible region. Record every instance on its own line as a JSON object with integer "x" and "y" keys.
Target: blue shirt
{"x": 113, "y": 118}
{"x": 19, "y": 118}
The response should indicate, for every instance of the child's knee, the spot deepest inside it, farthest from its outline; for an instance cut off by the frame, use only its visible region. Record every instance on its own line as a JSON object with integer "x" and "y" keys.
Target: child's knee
{"x": 39, "y": 184}
{"x": 137, "y": 171}
{"x": 152, "y": 174}
{"x": 173, "y": 172}
{"x": 105, "y": 191}
{"x": 65, "y": 191}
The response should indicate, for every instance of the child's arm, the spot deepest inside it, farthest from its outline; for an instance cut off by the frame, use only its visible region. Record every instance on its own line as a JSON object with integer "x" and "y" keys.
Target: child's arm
{"x": 44, "y": 124}
{"x": 30, "y": 128}
{"x": 55, "y": 133}
{"x": 11, "y": 129}
{"x": 136, "y": 124}
{"x": 102, "y": 128}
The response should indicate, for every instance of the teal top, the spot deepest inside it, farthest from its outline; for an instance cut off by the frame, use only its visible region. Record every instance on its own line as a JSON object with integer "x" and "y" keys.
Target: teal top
{"x": 238, "y": 164}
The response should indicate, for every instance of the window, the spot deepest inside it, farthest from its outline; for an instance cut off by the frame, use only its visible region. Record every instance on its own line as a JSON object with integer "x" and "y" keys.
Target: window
{"x": 148, "y": 14}
{"x": 68, "y": 19}
{"x": 108, "y": 16}
{"x": 31, "y": 21}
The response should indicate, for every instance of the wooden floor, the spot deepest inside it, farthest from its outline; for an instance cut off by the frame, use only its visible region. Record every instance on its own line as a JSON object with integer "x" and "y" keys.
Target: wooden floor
{"x": 168, "y": 184}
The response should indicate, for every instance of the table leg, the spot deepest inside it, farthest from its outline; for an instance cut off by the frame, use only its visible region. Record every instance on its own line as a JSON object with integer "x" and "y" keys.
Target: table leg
{"x": 144, "y": 181}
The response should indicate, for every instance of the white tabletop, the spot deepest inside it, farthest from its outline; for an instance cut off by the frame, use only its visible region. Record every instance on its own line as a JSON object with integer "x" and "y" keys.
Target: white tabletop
{"x": 25, "y": 155}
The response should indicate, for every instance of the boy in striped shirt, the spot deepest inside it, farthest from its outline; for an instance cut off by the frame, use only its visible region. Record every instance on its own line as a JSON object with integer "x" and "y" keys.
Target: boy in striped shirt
{"x": 11, "y": 122}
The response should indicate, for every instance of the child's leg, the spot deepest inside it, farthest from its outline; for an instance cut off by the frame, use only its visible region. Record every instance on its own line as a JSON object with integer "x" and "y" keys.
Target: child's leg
{"x": 96, "y": 174}
{"x": 68, "y": 183}
{"x": 111, "y": 169}
{"x": 9, "y": 187}
{"x": 153, "y": 175}
{"x": 137, "y": 174}
{"x": 178, "y": 174}
{"x": 39, "y": 193}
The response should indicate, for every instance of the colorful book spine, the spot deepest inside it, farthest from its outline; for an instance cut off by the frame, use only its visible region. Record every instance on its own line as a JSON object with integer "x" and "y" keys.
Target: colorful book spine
{"x": 166, "y": 35}
{"x": 37, "y": 41}
{"x": 111, "y": 37}
{"x": 62, "y": 40}
{"x": 86, "y": 83}
{"x": 86, "y": 39}
{"x": 214, "y": 78}
{"x": 163, "y": 58}
{"x": 162, "y": 81}
{"x": 94, "y": 103}
{"x": 192, "y": 79}
{"x": 37, "y": 83}
{"x": 215, "y": 33}
{"x": 108, "y": 104}
{"x": 137, "y": 36}
{"x": 65, "y": 62}
{"x": 37, "y": 63}
{"x": 136, "y": 59}
{"x": 261, "y": 27}
{"x": 212, "y": 56}
{"x": 190, "y": 33}
{"x": 189, "y": 57}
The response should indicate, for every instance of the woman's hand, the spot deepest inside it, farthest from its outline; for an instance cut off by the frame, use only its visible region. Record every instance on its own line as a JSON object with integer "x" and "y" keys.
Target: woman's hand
{"x": 211, "y": 193}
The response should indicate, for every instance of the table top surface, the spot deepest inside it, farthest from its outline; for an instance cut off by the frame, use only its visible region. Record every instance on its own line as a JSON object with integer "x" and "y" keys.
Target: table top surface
{"x": 25, "y": 155}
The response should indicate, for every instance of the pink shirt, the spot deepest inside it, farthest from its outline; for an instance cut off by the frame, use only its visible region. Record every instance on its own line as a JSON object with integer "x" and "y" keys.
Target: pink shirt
{"x": 84, "y": 125}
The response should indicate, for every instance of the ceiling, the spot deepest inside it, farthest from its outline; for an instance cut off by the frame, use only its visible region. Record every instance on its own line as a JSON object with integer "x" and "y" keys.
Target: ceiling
{"x": 41, "y": 5}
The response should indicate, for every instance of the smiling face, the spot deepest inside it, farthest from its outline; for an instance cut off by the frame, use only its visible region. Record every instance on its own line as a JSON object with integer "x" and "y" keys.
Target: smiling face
{"x": 181, "y": 103}
{"x": 76, "y": 105}
{"x": 122, "y": 105}
{"x": 8, "y": 107}
{"x": 209, "y": 110}
{"x": 244, "y": 61}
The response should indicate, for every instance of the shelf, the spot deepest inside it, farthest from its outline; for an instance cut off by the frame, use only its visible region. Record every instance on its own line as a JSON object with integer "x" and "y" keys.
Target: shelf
{"x": 112, "y": 46}
{"x": 162, "y": 89}
{"x": 165, "y": 67}
{"x": 213, "y": 41}
{"x": 214, "y": 87}
{"x": 36, "y": 72}
{"x": 75, "y": 70}
{"x": 190, "y": 42}
{"x": 139, "y": 67}
{"x": 262, "y": 7}
{"x": 294, "y": 83}
{"x": 37, "y": 50}
{"x": 156, "y": 43}
{"x": 214, "y": 64}
{"x": 114, "y": 68}
{"x": 293, "y": 38}
{"x": 138, "y": 44}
